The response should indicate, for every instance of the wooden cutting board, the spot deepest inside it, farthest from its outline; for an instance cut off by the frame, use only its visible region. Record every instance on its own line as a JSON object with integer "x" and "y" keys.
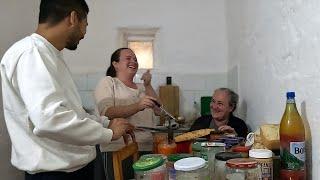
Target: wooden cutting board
{"x": 169, "y": 97}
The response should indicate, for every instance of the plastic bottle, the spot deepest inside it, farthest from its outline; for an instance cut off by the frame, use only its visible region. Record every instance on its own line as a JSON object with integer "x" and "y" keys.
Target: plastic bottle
{"x": 292, "y": 142}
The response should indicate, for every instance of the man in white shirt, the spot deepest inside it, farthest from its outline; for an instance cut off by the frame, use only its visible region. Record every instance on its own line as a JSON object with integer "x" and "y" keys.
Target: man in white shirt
{"x": 53, "y": 138}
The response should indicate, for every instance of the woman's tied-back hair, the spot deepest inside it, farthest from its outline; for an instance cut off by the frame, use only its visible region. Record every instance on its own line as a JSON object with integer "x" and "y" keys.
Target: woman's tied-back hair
{"x": 54, "y": 11}
{"x": 234, "y": 97}
{"x": 115, "y": 57}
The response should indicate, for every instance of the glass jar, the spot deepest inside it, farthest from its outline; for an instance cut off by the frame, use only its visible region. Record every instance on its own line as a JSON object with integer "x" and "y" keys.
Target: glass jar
{"x": 192, "y": 168}
{"x": 220, "y": 163}
{"x": 158, "y": 138}
{"x": 150, "y": 167}
{"x": 265, "y": 162}
{"x": 208, "y": 152}
{"x": 170, "y": 164}
{"x": 241, "y": 149}
{"x": 167, "y": 148}
{"x": 242, "y": 169}
{"x": 196, "y": 149}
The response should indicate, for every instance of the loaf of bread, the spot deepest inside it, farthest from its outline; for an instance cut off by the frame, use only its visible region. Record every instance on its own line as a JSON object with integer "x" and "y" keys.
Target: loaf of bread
{"x": 270, "y": 138}
{"x": 193, "y": 135}
{"x": 257, "y": 136}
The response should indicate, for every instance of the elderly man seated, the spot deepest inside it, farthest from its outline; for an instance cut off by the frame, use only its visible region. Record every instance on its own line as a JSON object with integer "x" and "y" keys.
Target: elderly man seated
{"x": 223, "y": 104}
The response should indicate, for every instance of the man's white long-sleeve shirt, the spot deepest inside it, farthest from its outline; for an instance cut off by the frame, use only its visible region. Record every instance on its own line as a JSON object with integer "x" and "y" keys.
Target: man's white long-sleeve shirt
{"x": 49, "y": 129}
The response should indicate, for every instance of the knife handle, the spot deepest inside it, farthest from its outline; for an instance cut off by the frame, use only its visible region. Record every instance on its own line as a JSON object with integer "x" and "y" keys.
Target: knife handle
{"x": 156, "y": 102}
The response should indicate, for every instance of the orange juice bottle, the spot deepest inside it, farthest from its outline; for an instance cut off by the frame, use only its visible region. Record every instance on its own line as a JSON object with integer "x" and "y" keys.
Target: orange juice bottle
{"x": 292, "y": 142}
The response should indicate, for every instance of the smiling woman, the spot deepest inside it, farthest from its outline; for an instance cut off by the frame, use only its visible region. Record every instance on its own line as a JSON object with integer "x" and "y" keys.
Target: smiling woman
{"x": 116, "y": 95}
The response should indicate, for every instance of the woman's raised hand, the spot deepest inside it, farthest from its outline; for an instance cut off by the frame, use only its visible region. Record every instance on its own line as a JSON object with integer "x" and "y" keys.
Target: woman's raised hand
{"x": 146, "y": 77}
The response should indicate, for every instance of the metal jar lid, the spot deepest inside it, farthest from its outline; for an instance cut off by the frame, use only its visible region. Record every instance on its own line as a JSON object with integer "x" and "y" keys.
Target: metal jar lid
{"x": 225, "y": 156}
{"x": 242, "y": 163}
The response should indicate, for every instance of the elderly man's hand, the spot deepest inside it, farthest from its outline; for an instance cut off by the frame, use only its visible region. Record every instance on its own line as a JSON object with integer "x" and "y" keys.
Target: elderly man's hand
{"x": 226, "y": 128}
{"x": 120, "y": 127}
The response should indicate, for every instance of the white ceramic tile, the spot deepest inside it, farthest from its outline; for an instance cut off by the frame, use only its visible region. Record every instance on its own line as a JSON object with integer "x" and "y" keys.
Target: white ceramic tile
{"x": 93, "y": 79}
{"x": 81, "y": 81}
{"x": 87, "y": 99}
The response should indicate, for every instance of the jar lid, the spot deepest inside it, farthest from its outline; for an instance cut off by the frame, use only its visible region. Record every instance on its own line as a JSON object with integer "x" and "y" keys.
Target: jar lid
{"x": 240, "y": 149}
{"x": 153, "y": 155}
{"x": 189, "y": 164}
{"x": 176, "y": 157}
{"x": 260, "y": 153}
{"x": 224, "y": 156}
{"x": 148, "y": 163}
{"x": 213, "y": 144}
{"x": 241, "y": 163}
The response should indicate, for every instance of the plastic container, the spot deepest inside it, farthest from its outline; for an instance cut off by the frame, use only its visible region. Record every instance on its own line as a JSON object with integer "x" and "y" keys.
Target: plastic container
{"x": 149, "y": 168}
{"x": 170, "y": 164}
{"x": 265, "y": 162}
{"x": 191, "y": 168}
{"x": 220, "y": 163}
{"x": 242, "y": 169}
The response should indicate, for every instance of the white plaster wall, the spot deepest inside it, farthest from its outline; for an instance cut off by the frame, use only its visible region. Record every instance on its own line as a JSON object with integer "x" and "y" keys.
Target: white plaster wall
{"x": 17, "y": 19}
{"x": 275, "y": 45}
{"x": 191, "y": 38}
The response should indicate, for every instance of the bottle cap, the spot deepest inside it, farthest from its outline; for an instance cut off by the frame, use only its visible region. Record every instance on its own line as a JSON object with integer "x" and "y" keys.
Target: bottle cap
{"x": 290, "y": 95}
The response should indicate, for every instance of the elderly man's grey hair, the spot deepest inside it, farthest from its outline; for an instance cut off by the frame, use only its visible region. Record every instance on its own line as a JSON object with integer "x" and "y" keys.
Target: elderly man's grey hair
{"x": 234, "y": 97}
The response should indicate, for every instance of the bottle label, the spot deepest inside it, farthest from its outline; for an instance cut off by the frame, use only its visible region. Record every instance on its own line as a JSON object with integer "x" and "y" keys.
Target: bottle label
{"x": 293, "y": 158}
{"x": 298, "y": 150}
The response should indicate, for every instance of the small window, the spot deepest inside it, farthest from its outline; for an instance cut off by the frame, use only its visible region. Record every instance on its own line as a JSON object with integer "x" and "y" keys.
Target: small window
{"x": 141, "y": 41}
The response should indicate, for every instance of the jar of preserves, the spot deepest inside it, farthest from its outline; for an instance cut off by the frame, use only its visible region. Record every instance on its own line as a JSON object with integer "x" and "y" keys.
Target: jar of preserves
{"x": 150, "y": 167}
{"x": 220, "y": 163}
{"x": 192, "y": 168}
{"x": 242, "y": 169}
{"x": 167, "y": 148}
{"x": 158, "y": 138}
